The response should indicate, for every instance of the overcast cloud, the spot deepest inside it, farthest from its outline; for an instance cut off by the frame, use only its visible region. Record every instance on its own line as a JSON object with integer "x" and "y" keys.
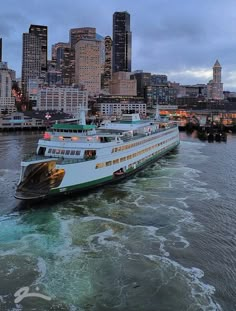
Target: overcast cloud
{"x": 179, "y": 38}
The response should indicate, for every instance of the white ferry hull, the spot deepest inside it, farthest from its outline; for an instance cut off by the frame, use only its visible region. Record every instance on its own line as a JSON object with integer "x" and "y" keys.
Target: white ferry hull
{"x": 83, "y": 176}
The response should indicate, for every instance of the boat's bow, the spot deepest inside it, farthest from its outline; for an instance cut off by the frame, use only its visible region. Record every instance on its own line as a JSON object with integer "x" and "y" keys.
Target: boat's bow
{"x": 37, "y": 179}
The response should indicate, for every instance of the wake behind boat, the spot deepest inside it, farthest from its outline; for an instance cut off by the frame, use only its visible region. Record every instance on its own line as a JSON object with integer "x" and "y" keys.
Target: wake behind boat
{"x": 77, "y": 157}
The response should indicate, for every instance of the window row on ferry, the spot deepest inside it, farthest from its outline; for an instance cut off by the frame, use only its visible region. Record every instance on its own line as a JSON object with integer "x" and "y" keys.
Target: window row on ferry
{"x": 125, "y": 147}
{"x": 122, "y": 159}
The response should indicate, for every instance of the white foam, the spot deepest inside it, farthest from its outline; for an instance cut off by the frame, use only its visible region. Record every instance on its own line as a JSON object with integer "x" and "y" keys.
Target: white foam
{"x": 162, "y": 246}
{"x": 193, "y": 278}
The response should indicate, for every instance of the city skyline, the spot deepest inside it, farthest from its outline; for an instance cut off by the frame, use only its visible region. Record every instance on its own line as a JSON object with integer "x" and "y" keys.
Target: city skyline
{"x": 180, "y": 40}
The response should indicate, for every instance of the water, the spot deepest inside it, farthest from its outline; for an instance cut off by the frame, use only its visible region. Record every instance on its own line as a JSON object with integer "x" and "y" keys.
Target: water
{"x": 163, "y": 240}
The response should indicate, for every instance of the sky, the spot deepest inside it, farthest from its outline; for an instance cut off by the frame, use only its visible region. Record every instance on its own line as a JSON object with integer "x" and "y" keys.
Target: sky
{"x": 179, "y": 38}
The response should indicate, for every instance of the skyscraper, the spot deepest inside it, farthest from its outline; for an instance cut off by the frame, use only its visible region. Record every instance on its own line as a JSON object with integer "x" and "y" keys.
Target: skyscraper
{"x": 122, "y": 39}
{"x": 81, "y": 33}
{"x": 58, "y": 52}
{"x": 108, "y": 63}
{"x": 88, "y": 64}
{"x": 42, "y": 33}
{"x": 31, "y": 60}
{"x": 34, "y": 56}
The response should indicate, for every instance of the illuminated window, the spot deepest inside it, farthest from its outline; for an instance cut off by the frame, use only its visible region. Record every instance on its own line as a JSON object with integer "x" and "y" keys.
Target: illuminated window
{"x": 100, "y": 165}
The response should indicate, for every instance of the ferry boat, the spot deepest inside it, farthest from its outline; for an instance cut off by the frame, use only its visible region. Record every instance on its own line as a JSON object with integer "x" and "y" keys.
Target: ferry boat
{"x": 77, "y": 157}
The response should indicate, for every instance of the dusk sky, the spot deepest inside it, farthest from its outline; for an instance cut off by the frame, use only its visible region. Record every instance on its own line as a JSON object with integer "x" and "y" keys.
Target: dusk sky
{"x": 179, "y": 38}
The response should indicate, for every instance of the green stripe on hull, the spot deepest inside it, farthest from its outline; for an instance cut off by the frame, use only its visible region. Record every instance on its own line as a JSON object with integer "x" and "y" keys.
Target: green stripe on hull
{"x": 109, "y": 179}
{"x": 89, "y": 184}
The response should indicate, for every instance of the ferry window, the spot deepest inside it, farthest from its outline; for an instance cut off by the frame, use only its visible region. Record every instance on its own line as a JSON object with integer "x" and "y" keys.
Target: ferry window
{"x": 115, "y": 161}
{"x": 108, "y": 163}
{"x": 72, "y": 152}
{"x": 122, "y": 159}
{"x": 53, "y": 151}
{"x": 100, "y": 165}
{"x": 58, "y": 151}
{"x": 50, "y": 150}
{"x": 41, "y": 151}
{"x": 62, "y": 151}
{"x": 67, "y": 152}
{"x": 77, "y": 152}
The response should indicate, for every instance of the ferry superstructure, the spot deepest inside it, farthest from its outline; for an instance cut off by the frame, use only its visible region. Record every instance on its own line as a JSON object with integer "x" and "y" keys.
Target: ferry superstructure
{"x": 77, "y": 157}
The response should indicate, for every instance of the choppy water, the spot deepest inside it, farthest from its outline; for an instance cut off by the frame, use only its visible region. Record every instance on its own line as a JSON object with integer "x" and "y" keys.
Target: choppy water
{"x": 163, "y": 240}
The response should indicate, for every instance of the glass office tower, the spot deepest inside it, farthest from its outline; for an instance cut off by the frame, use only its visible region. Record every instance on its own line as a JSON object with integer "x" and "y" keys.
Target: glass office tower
{"x": 122, "y": 37}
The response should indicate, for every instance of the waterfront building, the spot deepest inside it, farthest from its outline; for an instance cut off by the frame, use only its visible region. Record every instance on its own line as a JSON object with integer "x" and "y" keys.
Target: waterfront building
{"x": 7, "y": 100}
{"x": 18, "y": 121}
{"x": 122, "y": 40}
{"x": 215, "y": 86}
{"x": 66, "y": 99}
{"x": 88, "y": 65}
{"x": 121, "y": 84}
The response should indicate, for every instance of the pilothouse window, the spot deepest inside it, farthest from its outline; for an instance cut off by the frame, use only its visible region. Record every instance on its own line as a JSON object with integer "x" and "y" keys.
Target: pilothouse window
{"x": 41, "y": 151}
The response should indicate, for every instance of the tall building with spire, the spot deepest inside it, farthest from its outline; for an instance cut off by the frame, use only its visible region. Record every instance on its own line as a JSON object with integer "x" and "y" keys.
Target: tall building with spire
{"x": 215, "y": 86}
{"x": 122, "y": 40}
